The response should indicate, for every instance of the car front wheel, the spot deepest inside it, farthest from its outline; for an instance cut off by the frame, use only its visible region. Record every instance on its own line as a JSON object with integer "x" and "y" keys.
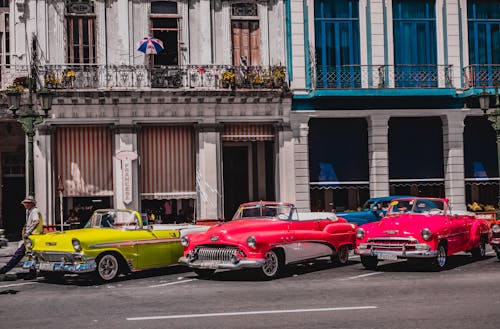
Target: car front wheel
{"x": 272, "y": 265}
{"x": 369, "y": 262}
{"x": 108, "y": 267}
{"x": 439, "y": 262}
{"x": 342, "y": 256}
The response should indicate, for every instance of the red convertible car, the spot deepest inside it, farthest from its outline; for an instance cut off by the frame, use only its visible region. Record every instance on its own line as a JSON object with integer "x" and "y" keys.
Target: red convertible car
{"x": 495, "y": 241}
{"x": 421, "y": 228}
{"x": 268, "y": 235}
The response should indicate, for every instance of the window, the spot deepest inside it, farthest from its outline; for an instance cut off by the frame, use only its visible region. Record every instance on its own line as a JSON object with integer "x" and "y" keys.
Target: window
{"x": 80, "y": 32}
{"x": 4, "y": 39}
{"x": 4, "y": 3}
{"x": 484, "y": 39}
{"x": 165, "y": 26}
{"x": 245, "y": 34}
{"x": 415, "y": 43}
{"x": 337, "y": 44}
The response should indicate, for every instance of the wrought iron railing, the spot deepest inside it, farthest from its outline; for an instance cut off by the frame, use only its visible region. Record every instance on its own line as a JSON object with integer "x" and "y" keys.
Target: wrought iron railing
{"x": 481, "y": 75}
{"x": 205, "y": 77}
{"x": 382, "y": 76}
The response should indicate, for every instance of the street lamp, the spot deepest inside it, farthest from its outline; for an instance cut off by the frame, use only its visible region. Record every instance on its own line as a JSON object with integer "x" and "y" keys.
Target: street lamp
{"x": 30, "y": 117}
{"x": 494, "y": 118}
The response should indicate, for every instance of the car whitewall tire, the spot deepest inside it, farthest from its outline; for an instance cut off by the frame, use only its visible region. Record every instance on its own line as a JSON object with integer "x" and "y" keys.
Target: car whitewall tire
{"x": 272, "y": 265}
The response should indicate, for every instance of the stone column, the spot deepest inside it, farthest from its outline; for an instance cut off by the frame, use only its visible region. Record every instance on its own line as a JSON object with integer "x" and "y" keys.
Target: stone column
{"x": 208, "y": 173}
{"x": 200, "y": 32}
{"x": 301, "y": 160}
{"x": 285, "y": 162}
{"x": 126, "y": 168}
{"x": 378, "y": 150}
{"x": 44, "y": 175}
{"x": 453, "y": 149}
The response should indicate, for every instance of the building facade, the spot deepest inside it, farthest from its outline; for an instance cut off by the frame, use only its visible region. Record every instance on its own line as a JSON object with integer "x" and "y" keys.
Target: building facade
{"x": 189, "y": 132}
{"x": 385, "y": 99}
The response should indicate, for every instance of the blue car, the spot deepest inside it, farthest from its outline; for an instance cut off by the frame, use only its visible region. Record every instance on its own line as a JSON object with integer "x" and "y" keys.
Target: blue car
{"x": 373, "y": 210}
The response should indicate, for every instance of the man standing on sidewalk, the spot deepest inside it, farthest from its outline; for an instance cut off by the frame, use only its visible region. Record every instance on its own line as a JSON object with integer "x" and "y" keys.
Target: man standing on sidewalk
{"x": 33, "y": 225}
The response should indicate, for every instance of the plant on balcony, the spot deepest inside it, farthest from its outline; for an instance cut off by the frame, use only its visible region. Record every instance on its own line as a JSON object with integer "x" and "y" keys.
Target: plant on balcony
{"x": 69, "y": 76}
{"x": 228, "y": 78}
{"x": 15, "y": 89}
{"x": 51, "y": 81}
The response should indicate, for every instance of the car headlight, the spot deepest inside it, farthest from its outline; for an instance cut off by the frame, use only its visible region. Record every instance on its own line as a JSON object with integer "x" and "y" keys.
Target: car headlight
{"x": 28, "y": 243}
{"x": 426, "y": 234}
{"x": 251, "y": 241}
{"x": 495, "y": 228}
{"x": 184, "y": 241}
{"x": 360, "y": 233}
{"x": 76, "y": 245}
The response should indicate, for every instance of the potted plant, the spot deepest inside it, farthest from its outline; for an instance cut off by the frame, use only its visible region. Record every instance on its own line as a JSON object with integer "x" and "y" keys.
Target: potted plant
{"x": 228, "y": 79}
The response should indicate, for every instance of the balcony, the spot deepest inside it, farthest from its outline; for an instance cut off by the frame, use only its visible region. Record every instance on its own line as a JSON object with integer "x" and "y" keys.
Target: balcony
{"x": 382, "y": 76}
{"x": 127, "y": 77}
{"x": 481, "y": 75}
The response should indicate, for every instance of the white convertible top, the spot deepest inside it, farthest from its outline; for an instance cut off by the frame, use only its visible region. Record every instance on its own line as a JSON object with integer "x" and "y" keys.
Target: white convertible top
{"x": 183, "y": 228}
{"x": 317, "y": 215}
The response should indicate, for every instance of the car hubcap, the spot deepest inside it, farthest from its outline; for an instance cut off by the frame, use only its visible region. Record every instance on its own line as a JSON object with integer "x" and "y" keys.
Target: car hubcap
{"x": 270, "y": 266}
{"x": 108, "y": 267}
{"x": 441, "y": 258}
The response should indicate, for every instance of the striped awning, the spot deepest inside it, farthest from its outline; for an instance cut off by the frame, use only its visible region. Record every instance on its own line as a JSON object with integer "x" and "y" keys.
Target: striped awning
{"x": 248, "y": 133}
{"x": 167, "y": 162}
{"x": 84, "y": 157}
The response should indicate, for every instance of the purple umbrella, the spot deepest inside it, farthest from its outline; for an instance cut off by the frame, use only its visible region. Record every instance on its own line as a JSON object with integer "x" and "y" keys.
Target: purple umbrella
{"x": 150, "y": 45}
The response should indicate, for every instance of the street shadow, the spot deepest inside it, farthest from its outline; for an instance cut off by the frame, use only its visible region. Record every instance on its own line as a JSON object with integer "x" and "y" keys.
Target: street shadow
{"x": 425, "y": 265}
{"x": 89, "y": 280}
{"x": 287, "y": 272}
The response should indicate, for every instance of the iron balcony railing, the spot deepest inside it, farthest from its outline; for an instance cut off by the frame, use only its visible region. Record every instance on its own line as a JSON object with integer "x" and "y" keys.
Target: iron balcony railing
{"x": 481, "y": 75}
{"x": 382, "y": 76}
{"x": 94, "y": 76}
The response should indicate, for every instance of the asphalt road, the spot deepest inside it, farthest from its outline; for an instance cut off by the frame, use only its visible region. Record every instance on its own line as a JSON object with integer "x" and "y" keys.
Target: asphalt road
{"x": 315, "y": 295}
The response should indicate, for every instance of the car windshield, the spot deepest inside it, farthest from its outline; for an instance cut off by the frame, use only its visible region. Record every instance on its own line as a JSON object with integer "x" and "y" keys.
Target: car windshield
{"x": 264, "y": 211}
{"x": 118, "y": 219}
{"x": 368, "y": 205}
{"x": 417, "y": 206}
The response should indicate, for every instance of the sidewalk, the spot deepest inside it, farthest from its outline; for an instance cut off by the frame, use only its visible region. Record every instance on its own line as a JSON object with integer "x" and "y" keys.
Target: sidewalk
{"x": 6, "y": 253}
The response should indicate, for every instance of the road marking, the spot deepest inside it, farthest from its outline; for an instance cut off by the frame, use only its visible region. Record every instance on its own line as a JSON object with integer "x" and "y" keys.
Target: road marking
{"x": 17, "y": 284}
{"x": 304, "y": 310}
{"x": 171, "y": 283}
{"x": 360, "y": 276}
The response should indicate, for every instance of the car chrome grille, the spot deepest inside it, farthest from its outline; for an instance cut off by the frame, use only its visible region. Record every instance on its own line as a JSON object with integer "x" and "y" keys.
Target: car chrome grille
{"x": 54, "y": 256}
{"x": 221, "y": 254}
{"x": 392, "y": 244}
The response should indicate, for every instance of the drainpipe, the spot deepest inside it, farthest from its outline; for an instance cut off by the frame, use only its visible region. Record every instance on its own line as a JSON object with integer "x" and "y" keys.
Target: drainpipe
{"x": 288, "y": 29}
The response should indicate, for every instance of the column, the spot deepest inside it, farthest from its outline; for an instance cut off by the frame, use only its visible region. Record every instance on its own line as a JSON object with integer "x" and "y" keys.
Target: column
{"x": 201, "y": 32}
{"x": 378, "y": 150}
{"x": 301, "y": 160}
{"x": 286, "y": 180}
{"x": 298, "y": 52}
{"x": 126, "y": 168}
{"x": 453, "y": 155}
{"x": 44, "y": 175}
{"x": 454, "y": 39}
{"x": 208, "y": 172}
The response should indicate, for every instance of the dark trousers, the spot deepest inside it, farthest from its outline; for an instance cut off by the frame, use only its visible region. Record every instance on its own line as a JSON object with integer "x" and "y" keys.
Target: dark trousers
{"x": 16, "y": 258}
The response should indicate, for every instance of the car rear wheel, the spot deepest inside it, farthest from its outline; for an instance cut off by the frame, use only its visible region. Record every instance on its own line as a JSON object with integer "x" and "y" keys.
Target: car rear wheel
{"x": 272, "y": 265}
{"x": 342, "y": 256}
{"x": 498, "y": 254}
{"x": 369, "y": 262}
{"x": 108, "y": 267}
{"x": 204, "y": 273}
{"x": 480, "y": 251}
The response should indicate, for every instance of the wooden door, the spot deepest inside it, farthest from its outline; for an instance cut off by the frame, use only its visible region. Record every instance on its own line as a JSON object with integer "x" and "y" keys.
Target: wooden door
{"x": 246, "y": 41}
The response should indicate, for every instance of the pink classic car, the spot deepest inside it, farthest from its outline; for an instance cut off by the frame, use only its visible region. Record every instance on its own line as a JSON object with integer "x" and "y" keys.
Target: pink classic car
{"x": 421, "y": 228}
{"x": 268, "y": 235}
{"x": 495, "y": 241}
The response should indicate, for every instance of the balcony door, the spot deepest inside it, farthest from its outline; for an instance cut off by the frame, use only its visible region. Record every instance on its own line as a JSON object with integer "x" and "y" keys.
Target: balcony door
{"x": 165, "y": 26}
{"x": 245, "y": 34}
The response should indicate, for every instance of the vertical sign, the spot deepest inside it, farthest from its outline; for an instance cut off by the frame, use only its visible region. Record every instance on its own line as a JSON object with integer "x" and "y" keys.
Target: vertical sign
{"x": 126, "y": 157}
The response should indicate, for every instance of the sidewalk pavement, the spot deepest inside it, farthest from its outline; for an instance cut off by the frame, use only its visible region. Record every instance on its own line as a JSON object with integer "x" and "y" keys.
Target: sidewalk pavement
{"x": 5, "y": 254}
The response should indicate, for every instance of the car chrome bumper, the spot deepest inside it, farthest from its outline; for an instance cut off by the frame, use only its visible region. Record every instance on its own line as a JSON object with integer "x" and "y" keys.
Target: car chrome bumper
{"x": 218, "y": 265}
{"x": 495, "y": 241}
{"x": 399, "y": 254}
{"x": 87, "y": 266}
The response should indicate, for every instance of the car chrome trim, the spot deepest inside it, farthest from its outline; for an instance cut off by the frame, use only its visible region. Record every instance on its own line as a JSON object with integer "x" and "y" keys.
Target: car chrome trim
{"x": 132, "y": 243}
{"x": 256, "y": 263}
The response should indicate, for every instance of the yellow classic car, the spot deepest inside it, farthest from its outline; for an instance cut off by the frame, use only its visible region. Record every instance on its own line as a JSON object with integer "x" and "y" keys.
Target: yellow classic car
{"x": 114, "y": 241}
